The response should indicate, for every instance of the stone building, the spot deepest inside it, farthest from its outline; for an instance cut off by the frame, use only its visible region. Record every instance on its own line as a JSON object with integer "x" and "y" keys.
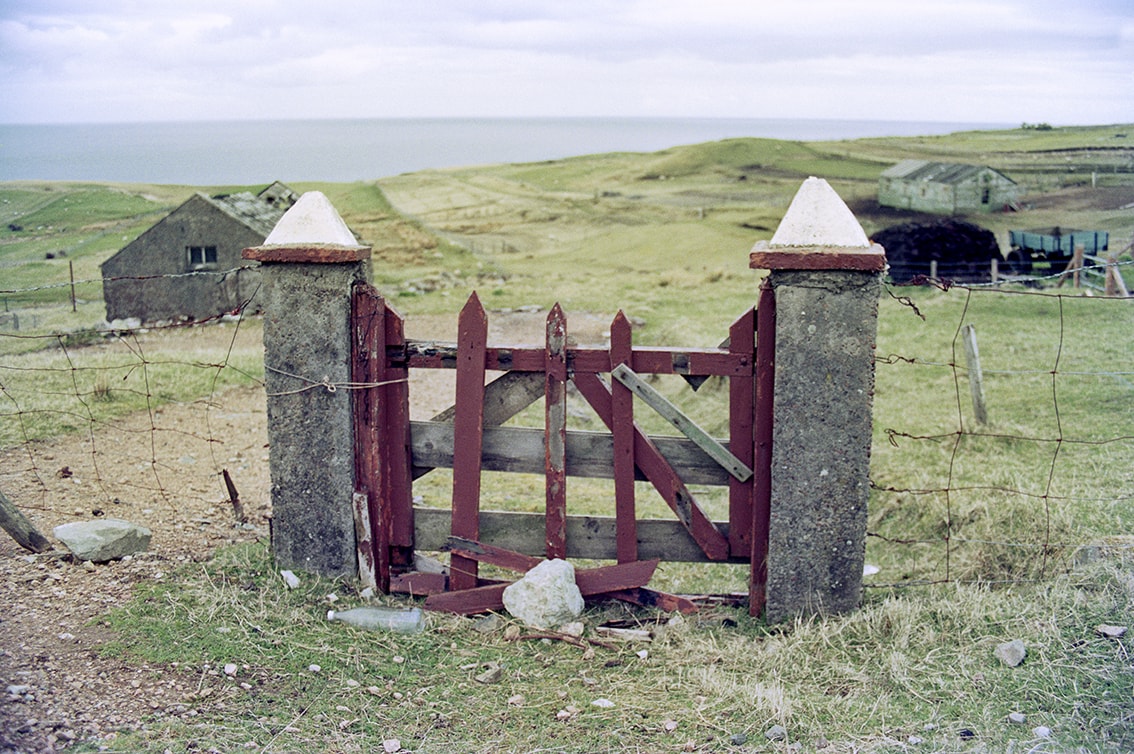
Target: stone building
{"x": 188, "y": 265}
{"x": 945, "y": 188}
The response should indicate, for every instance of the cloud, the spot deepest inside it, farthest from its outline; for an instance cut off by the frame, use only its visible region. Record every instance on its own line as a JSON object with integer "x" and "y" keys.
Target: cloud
{"x": 941, "y": 60}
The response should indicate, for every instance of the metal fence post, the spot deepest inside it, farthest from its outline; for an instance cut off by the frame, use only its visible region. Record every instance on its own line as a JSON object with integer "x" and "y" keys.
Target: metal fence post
{"x": 826, "y": 276}
{"x": 309, "y": 263}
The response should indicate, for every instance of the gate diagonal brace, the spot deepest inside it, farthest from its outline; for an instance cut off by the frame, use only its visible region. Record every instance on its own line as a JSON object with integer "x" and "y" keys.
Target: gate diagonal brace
{"x": 684, "y": 424}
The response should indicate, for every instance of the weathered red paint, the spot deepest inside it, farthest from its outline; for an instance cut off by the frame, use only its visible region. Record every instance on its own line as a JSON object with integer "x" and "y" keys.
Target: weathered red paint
{"x": 468, "y": 427}
{"x": 396, "y": 445}
{"x": 647, "y": 360}
{"x": 367, "y": 367}
{"x": 658, "y": 471}
{"x": 555, "y": 433}
{"x": 762, "y": 463}
{"x": 871, "y": 259}
{"x": 622, "y": 430}
{"x": 741, "y": 441}
{"x": 310, "y": 254}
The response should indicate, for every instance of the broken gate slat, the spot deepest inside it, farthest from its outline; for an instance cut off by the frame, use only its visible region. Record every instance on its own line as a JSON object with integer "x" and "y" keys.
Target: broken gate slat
{"x": 590, "y": 581}
{"x": 396, "y": 448}
{"x": 497, "y": 556}
{"x": 647, "y": 359}
{"x": 651, "y": 598}
{"x": 741, "y": 443}
{"x": 661, "y": 475}
{"x": 687, "y": 426}
{"x": 622, "y": 431}
{"x": 368, "y": 311}
{"x": 418, "y": 584}
{"x": 468, "y": 427}
{"x": 555, "y": 433}
{"x": 504, "y": 397}
{"x": 762, "y": 488}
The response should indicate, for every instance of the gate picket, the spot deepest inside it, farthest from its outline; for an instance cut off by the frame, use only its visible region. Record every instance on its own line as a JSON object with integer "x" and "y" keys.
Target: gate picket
{"x": 468, "y": 430}
{"x": 622, "y": 410}
{"x": 555, "y": 434}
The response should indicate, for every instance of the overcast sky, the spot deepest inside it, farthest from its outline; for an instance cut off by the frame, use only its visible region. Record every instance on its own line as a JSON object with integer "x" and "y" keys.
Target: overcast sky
{"x": 1063, "y": 62}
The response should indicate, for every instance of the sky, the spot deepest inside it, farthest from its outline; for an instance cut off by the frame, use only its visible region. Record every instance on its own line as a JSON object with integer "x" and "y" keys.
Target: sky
{"x": 1063, "y": 62}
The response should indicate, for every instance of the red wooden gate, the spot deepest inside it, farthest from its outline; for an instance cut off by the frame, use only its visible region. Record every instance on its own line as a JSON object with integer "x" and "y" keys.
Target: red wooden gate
{"x": 391, "y": 451}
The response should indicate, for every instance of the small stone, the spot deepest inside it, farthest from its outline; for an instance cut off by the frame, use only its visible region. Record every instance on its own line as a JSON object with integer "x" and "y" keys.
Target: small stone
{"x": 488, "y": 624}
{"x": 352, "y": 684}
{"x": 562, "y": 715}
{"x": 603, "y": 703}
{"x": 546, "y": 596}
{"x": 1110, "y": 632}
{"x": 290, "y": 579}
{"x": 1011, "y": 653}
{"x": 776, "y": 733}
{"x": 1017, "y": 718}
{"x": 1041, "y": 731}
{"x": 915, "y": 740}
{"x": 398, "y": 660}
{"x": 738, "y": 739}
{"x": 669, "y": 726}
{"x": 516, "y": 701}
{"x": 643, "y": 654}
{"x": 230, "y": 669}
{"x": 491, "y": 675}
{"x": 574, "y": 628}
{"x": 391, "y": 746}
{"x": 314, "y": 668}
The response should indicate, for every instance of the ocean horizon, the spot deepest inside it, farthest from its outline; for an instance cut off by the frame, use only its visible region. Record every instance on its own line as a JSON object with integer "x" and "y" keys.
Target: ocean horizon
{"x": 219, "y": 153}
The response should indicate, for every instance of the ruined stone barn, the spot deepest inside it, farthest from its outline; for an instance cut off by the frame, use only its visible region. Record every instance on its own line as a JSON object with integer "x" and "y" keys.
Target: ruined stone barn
{"x": 946, "y": 188}
{"x": 188, "y": 265}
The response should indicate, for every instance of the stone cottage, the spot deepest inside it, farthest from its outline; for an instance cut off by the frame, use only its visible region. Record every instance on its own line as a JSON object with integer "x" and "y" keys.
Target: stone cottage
{"x": 188, "y": 265}
{"x": 946, "y": 188}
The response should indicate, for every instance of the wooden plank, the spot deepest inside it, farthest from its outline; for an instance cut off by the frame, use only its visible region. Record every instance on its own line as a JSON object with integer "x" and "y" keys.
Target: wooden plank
{"x": 555, "y": 433}
{"x": 684, "y": 424}
{"x": 396, "y": 444}
{"x": 622, "y": 431}
{"x": 589, "y": 454}
{"x": 742, "y": 440}
{"x": 762, "y": 462}
{"x": 588, "y": 537}
{"x": 660, "y": 474}
{"x": 497, "y": 556}
{"x": 368, "y": 311}
{"x": 419, "y": 584}
{"x": 504, "y": 397}
{"x": 468, "y": 428}
{"x": 364, "y": 540}
{"x": 591, "y": 581}
{"x": 647, "y": 360}
{"x": 670, "y": 603}
{"x": 976, "y": 374}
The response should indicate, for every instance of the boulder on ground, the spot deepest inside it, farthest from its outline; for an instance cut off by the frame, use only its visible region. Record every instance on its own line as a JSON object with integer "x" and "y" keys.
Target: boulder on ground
{"x": 103, "y": 539}
{"x": 547, "y": 596}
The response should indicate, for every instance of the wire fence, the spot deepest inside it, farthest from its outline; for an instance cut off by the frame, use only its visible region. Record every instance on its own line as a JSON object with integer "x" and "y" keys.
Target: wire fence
{"x": 167, "y": 426}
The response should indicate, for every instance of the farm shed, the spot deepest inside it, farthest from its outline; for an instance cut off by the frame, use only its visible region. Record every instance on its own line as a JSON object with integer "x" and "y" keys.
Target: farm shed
{"x": 945, "y": 188}
{"x": 188, "y": 265}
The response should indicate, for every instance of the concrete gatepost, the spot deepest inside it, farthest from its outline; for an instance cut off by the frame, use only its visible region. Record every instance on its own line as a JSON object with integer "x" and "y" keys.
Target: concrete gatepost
{"x": 827, "y": 280}
{"x": 309, "y": 263}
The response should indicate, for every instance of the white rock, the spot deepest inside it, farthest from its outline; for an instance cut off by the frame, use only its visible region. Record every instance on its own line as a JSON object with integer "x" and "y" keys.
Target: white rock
{"x": 290, "y": 579}
{"x": 604, "y": 703}
{"x": 391, "y": 746}
{"x": 1041, "y": 731}
{"x": 1011, "y": 653}
{"x": 104, "y": 539}
{"x": 546, "y": 596}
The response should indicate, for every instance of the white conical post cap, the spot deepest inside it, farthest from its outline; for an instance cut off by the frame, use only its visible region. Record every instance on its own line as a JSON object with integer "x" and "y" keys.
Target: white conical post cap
{"x": 312, "y": 220}
{"x": 818, "y": 217}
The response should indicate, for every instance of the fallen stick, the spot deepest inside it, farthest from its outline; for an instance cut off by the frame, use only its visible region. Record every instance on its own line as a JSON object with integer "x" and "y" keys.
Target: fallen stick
{"x": 234, "y": 498}
{"x": 568, "y": 638}
{"x": 16, "y": 524}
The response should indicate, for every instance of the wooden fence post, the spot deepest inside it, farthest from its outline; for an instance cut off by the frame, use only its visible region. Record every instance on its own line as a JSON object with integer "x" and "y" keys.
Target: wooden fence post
{"x": 309, "y": 264}
{"x": 826, "y": 278}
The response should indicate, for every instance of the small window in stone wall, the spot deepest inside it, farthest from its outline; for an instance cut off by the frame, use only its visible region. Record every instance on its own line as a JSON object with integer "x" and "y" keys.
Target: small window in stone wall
{"x": 985, "y": 196}
{"x": 201, "y": 257}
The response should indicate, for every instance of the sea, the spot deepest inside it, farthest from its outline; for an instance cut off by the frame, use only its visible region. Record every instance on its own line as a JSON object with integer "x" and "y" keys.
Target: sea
{"x": 223, "y": 153}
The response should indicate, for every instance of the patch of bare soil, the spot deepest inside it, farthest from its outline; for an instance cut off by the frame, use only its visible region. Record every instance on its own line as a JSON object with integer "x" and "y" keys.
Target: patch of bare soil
{"x": 162, "y": 471}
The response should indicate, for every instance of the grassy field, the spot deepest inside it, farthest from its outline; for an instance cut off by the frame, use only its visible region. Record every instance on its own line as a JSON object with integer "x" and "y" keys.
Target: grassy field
{"x": 1006, "y": 512}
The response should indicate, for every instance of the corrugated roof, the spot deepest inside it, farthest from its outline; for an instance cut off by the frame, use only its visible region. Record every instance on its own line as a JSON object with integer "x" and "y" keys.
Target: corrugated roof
{"x": 936, "y": 172}
{"x": 250, "y": 210}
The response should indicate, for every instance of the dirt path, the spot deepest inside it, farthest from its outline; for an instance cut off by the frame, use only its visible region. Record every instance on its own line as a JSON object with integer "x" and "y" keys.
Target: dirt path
{"x": 163, "y": 472}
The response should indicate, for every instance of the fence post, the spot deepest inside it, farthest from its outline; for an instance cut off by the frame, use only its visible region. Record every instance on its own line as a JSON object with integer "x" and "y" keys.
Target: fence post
{"x": 309, "y": 263}
{"x": 826, "y": 277}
